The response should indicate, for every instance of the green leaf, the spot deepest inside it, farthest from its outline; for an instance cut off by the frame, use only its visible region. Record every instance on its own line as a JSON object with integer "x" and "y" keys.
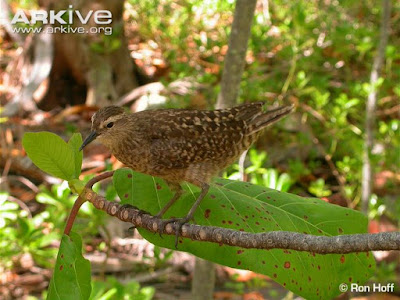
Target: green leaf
{"x": 252, "y": 208}
{"x": 77, "y": 186}
{"x": 75, "y": 142}
{"x": 50, "y": 153}
{"x": 71, "y": 277}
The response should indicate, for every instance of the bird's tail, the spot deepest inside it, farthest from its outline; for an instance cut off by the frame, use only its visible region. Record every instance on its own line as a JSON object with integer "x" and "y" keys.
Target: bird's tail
{"x": 265, "y": 119}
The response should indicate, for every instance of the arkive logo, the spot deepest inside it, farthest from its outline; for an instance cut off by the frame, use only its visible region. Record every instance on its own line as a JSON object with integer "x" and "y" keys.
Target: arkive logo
{"x": 63, "y": 17}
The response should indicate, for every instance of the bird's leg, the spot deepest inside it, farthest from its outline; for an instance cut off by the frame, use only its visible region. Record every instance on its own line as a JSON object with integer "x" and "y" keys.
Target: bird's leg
{"x": 181, "y": 221}
{"x": 204, "y": 190}
{"x": 178, "y": 192}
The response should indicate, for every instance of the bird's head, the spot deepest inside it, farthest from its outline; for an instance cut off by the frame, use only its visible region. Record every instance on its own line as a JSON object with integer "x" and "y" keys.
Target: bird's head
{"x": 106, "y": 123}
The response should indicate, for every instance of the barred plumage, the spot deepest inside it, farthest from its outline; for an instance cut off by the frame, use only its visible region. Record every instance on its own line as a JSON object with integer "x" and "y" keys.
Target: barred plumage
{"x": 181, "y": 145}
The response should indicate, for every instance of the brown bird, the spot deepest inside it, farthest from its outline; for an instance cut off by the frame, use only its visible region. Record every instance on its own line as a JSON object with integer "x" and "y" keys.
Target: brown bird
{"x": 179, "y": 144}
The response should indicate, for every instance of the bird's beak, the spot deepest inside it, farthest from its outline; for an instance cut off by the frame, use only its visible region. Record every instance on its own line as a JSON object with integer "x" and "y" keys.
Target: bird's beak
{"x": 89, "y": 138}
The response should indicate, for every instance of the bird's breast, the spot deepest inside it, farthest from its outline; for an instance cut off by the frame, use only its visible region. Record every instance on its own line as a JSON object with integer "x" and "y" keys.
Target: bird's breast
{"x": 132, "y": 154}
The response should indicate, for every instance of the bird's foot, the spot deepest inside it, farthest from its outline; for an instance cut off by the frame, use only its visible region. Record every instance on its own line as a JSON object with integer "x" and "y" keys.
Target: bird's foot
{"x": 178, "y": 224}
{"x": 162, "y": 224}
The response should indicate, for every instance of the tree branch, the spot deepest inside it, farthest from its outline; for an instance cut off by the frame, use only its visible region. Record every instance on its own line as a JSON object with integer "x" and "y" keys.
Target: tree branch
{"x": 78, "y": 203}
{"x": 268, "y": 240}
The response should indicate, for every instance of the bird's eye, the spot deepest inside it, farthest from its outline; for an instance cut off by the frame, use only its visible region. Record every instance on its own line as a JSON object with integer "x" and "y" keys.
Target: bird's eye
{"x": 109, "y": 125}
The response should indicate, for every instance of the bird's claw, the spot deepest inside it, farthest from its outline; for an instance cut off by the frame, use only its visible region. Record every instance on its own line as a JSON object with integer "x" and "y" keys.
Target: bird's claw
{"x": 178, "y": 224}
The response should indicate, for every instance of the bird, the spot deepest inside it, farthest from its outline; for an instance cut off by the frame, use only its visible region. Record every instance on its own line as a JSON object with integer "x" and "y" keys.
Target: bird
{"x": 181, "y": 145}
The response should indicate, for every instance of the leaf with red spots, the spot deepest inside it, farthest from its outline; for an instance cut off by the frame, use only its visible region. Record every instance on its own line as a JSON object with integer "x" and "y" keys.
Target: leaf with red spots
{"x": 71, "y": 277}
{"x": 246, "y": 207}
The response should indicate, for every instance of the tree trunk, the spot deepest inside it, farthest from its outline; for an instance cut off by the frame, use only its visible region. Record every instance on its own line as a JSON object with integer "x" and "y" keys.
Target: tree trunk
{"x": 203, "y": 280}
{"x": 371, "y": 106}
{"x": 204, "y": 273}
{"x": 235, "y": 58}
{"x": 91, "y": 68}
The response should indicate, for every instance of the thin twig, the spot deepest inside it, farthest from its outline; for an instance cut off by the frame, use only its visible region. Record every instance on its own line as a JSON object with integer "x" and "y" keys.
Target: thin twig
{"x": 388, "y": 111}
{"x": 7, "y": 166}
{"x": 313, "y": 112}
{"x": 328, "y": 158}
{"x": 98, "y": 178}
{"x": 147, "y": 277}
{"x": 72, "y": 215}
{"x": 21, "y": 179}
{"x": 22, "y": 204}
{"x": 78, "y": 203}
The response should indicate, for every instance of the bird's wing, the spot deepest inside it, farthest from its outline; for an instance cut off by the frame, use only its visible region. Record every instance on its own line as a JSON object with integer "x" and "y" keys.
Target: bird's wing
{"x": 180, "y": 138}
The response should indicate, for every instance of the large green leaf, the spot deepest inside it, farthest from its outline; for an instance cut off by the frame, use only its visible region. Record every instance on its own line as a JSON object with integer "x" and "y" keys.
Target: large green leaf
{"x": 71, "y": 277}
{"x": 251, "y": 208}
{"x": 75, "y": 142}
{"x": 50, "y": 153}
